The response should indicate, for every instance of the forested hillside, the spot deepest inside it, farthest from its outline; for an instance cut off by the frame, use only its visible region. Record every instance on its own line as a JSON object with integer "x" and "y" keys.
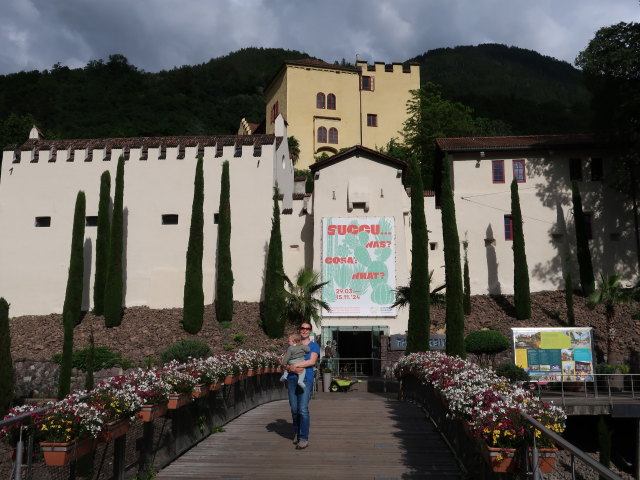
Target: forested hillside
{"x": 530, "y": 92}
{"x": 113, "y": 98}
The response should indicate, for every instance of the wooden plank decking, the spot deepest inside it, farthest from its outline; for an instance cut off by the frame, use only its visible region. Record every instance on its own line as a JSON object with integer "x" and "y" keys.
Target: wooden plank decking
{"x": 354, "y": 435}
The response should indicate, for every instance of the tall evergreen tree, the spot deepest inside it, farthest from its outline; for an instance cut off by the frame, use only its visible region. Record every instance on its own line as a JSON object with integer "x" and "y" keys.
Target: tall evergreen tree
{"x": 587, "y": 281}
{"x": 419, "y": 325}
{"x": 114, "y": 285}
{"x": 454, "y": 316}
{"x": 521, "y": 293}
{"x": 102, "y": 243}
{"x": 193, "y": 312}
{"x": 274, "y": 298}
{"x": 568, "y": 298}
{"x": 6, "y": 364}
{"x": 73, "y": 297}
{"x": 466, "y": 303}
{"x": 224, "y": 274}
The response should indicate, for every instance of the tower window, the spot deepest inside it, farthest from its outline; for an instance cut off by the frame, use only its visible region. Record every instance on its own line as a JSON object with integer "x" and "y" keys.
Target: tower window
{"x": 372, "y": 120}
{"x": 320, "y": 100}
{"x": 43, "y": 222}
{"x": 322, "y": 135}
{"x": 333, "y": 135}
{"x": 170, "y": 219}
{"x": 519, "y": 174}
{"x": 331, "y": 101}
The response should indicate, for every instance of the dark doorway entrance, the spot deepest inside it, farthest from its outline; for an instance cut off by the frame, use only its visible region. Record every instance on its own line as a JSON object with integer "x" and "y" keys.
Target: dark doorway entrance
{"x": 354, "y": 345}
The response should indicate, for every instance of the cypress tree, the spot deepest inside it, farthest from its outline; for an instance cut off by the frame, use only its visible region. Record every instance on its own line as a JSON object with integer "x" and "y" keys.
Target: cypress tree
{"x": 521, "y": 293}
{"x": 419, "y": 325}
{"x": 193, "y": 312}
{"x": 587, "y": 280}
{"x": 102, "y": 243}
{"x": 6, "y": 364}
{"x": 114, "y": 284}
{"x": 224, "y": 274}
{"x": 274, "y": 299}
{"x": 454, "y": 316}
{"x": 466, "y": 301}
{"x": 91, "y": 361}
{"x": 73, "y": 298}
{"x": 568, "y": 297}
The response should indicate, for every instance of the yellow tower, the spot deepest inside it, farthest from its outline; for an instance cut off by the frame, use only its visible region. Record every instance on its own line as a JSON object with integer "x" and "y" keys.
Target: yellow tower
{"x": 329, "y": 107}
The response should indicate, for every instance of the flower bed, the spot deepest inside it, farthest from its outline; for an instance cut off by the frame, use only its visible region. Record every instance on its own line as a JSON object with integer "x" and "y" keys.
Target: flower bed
{"x": 85, "y": 415}
{"x": 488, "y": 403}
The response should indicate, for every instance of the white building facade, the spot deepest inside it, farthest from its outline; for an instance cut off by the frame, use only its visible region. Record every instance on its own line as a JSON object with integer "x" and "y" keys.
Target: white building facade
{"x": 354, "y": 228}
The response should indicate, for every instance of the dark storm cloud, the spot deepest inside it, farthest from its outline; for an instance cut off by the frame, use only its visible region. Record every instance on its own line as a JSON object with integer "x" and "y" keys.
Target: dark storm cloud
{"x": 160, "y": 34}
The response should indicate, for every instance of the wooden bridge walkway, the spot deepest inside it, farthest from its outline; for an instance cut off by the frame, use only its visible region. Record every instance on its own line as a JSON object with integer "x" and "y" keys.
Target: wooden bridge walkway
{"x": 354, "y": 435}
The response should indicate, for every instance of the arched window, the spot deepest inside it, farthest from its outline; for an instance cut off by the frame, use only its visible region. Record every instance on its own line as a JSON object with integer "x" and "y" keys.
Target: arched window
{"x": 331, "y": 101}
{"x": 333, "y": 135}
{"x": 320, "y": 100}
{"x": 322, "y": 135}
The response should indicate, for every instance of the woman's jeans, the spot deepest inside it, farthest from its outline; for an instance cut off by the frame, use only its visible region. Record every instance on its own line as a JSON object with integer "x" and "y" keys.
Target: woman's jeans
{"x": 299, "y": 402}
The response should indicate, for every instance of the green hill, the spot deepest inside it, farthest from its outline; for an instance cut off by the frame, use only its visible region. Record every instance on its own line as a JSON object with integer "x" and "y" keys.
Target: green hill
{"x": 531, "y": 92}
{"x": 112, "y": 98}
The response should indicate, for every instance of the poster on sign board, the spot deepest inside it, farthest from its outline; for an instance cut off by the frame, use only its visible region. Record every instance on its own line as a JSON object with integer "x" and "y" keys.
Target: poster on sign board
{"x": 554, "y": 354}
{"x": 358, "y": 262}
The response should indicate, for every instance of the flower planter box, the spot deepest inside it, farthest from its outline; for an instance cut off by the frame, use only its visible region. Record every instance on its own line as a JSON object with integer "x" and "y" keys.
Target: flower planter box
{"x": 216, "y": 385}
{"x": 547, "y": 459}
{"x": 250, "y": 372}
{"x": 148, "y": 413}
{"x": 500, "y": 459}
{"x": 177, "y": 400}
{"x": 113, "y": 430}
{"x": 229, "y": 379}
{"x": 60, "y": 454}
{"x": 200, "y": 390}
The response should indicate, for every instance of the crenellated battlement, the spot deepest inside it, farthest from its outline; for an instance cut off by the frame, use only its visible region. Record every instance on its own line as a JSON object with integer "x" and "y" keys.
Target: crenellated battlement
{"x": 38, "y": 150}
{"x": 381, "y": 67}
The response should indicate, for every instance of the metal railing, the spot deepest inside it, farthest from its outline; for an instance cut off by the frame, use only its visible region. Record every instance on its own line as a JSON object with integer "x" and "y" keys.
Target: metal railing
{"x": 352, "y": 367}
{"x": 574, "y": 451}
{"x": 605, "y": 386}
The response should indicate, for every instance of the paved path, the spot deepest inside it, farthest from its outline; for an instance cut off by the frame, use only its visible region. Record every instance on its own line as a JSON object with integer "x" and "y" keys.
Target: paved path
{"x": 354, "y": 435}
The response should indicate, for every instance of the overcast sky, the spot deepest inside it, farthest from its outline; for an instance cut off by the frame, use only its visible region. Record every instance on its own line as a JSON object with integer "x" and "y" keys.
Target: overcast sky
{"x": 161, "y": 34}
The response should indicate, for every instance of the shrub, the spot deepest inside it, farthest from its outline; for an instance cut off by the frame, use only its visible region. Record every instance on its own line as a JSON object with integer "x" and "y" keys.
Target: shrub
{"x": 239, "y": 338}
{"x": 6, "y": 363}
{"x": 188, "y": 347}
{"x": 103, "y": 357}
{"x": 486, "y": 344}
{"x": 513, "y": 372}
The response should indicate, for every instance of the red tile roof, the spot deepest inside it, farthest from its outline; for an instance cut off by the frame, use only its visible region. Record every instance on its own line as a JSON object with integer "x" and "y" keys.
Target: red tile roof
{"x": 351, "y": 151}
{"x": 522, "y": 142}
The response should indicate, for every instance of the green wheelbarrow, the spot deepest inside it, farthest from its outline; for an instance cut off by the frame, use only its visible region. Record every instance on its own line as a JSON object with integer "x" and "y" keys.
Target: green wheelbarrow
{"x": 342, "y": 384}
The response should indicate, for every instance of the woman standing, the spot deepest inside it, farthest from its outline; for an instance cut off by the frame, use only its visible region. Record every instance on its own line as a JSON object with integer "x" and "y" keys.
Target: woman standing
{"x": 298, "y": 397}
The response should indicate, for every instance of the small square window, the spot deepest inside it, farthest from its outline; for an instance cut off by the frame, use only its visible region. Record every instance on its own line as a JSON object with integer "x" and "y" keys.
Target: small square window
{"x": 366, "y": 83}
{"x": 508, "y": 227}
{"x": 170, "y": 219}
{"x": 497, "y": 171}
{"x": 433, "y": 245}
{"x": 43, "y": 222}
{"x": 519, "y": 173}
{"x": 91, "y": 221}
{"x": 372, "y": 120}
{"x": 216, "y": 218}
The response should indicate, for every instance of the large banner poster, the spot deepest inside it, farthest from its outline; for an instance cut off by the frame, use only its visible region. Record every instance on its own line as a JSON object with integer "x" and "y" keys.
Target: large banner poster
{"x": 359, "y": 262}
{"x": 554, "y": 354}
